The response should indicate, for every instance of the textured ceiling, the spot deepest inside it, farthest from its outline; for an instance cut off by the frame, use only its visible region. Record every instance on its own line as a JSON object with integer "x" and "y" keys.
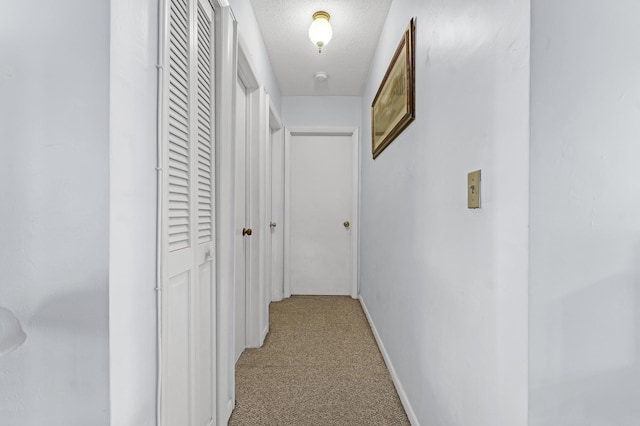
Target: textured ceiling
{"x": 356, "y": 28}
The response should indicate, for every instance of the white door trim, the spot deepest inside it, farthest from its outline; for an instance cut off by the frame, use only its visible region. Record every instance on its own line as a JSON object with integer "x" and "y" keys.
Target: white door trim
{"x": 321, "y": 131}
{"x": 275, "y": 122}
{"x": 275, "y": 213}
{"x": 225, "y": 200}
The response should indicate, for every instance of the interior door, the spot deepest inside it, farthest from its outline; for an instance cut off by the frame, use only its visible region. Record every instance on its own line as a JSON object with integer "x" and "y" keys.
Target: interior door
{"x": 321, "y": 214}
{"x": 241, "y": 208}
{"x": 277, "y": 215}
{"x": 187, "y": 383}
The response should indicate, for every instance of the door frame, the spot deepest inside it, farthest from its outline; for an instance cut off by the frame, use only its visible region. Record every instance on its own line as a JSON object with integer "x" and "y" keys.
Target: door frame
{"x": 275, "y": 139}
{"x": 256, "y": 326}
{"x": 226, "y": 55}
{"x": 322, "y": 131}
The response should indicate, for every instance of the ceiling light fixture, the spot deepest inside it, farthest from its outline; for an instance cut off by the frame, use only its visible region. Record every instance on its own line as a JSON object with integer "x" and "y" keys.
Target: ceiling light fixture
{"x": 320, "y": 31}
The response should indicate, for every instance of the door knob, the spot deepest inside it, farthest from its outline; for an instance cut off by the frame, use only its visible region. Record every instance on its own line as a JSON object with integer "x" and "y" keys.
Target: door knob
{"x": 346, "y": 224}
{"x": 273, "y": 225}
{"x": 246, "y": 231}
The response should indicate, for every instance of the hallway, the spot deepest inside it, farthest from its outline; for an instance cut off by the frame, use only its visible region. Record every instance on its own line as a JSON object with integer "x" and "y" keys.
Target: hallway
{"x": 119, "y": 147}
{"x": 319, "y": 365}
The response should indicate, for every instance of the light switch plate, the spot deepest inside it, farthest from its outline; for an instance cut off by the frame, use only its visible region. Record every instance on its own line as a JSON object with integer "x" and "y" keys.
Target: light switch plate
{"x": 473, "y": 190}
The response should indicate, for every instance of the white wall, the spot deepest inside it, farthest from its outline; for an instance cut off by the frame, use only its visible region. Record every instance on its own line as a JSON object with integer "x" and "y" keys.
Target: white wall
{"x": 54, "y": 186}
{"x": 249, "y": 33}
{"x": 446, "y": 286}
{"x": 321, "y": 111}
{"x": 132, "y": 273}
{"x": 585, "y": 226}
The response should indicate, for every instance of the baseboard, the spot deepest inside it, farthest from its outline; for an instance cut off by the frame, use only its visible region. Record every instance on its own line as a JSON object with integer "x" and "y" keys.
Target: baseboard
{"x": 231, "y": 404}
{"x": 396, "y": 381}
{"x": 264, "y": 334}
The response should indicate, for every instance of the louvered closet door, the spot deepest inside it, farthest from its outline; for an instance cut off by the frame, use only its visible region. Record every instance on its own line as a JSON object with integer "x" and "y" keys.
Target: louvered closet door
{"x": 188, "y": 306}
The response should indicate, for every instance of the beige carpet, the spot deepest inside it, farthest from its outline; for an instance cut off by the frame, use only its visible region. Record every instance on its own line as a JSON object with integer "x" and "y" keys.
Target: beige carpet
{"x": 320, "y": 365}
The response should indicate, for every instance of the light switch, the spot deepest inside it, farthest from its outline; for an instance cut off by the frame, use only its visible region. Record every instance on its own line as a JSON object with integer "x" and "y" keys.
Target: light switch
{"x": 473, "y": 190}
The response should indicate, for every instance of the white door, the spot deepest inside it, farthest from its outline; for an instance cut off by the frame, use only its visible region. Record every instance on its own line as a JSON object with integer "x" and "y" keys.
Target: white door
{"x": 241, "y": 208}
{"x": 321, "y": 214}
{"x": 187, "y": 385}
{"x": 276, "y": 214}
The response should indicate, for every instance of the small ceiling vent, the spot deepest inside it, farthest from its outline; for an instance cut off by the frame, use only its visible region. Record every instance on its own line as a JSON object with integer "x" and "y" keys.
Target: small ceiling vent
{"x": 321, "y": 77}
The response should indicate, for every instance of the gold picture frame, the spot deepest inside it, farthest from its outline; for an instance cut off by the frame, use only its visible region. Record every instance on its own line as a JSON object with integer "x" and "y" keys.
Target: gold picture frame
{"x": 394, "y": 107}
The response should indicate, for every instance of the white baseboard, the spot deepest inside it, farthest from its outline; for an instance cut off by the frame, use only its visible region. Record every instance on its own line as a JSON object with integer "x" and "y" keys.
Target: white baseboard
{"x": 396, "y": 381}
{"x": 229, "y": 409}
{"x": 264, "y": 335}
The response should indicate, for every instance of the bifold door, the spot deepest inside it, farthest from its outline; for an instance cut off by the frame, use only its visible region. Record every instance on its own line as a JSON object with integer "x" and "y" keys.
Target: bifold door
{"x": 187, "y": 341}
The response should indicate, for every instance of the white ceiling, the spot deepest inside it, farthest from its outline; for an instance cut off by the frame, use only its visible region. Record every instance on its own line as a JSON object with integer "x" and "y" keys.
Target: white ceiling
{"x": 356, "y": 28}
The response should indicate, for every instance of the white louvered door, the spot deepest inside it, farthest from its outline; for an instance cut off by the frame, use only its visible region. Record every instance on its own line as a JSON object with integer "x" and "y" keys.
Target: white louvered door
{"x": 187, "y": 347}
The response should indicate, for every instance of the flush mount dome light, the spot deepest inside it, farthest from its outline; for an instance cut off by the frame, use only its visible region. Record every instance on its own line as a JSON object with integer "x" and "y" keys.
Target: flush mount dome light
{"x": 320, "y": 31}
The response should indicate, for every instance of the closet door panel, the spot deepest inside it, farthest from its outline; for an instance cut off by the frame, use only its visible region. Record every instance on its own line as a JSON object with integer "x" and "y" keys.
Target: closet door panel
{"x": 187, "y": 244}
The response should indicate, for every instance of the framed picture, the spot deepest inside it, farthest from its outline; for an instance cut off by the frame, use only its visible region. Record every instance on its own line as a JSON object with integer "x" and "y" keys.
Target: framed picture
{"x": 394, "y": 107}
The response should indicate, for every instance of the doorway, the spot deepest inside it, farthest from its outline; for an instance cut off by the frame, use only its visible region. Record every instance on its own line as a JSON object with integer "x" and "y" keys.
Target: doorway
{"x": 251, "y": 127}
{"x": 321, "y": 212}
{"x": 242, "y": 231}
{"x": 275, "y": 208}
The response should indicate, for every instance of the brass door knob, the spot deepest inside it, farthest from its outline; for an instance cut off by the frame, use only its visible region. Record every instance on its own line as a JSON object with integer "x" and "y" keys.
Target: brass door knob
{"x": 346, "y": 224}
{"x": 246, "y": 231}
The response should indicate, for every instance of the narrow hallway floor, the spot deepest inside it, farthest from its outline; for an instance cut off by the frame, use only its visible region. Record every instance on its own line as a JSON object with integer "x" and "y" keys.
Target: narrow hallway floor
{"x": 320, "y": 365}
